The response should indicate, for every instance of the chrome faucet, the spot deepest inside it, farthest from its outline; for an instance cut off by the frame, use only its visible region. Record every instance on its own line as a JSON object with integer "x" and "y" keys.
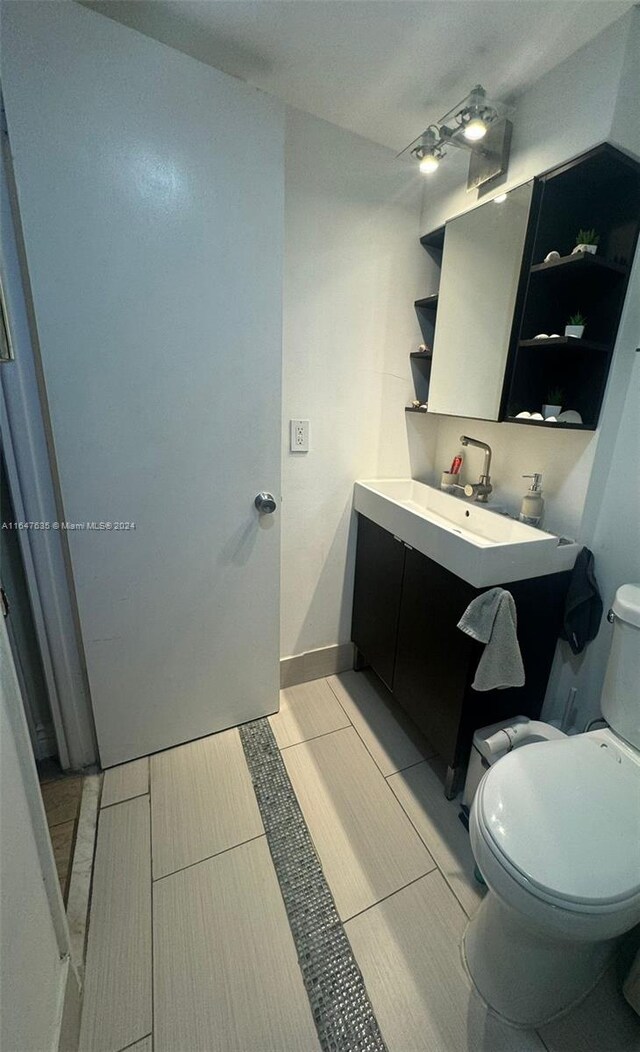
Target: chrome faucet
{"x": 480, "y": 490}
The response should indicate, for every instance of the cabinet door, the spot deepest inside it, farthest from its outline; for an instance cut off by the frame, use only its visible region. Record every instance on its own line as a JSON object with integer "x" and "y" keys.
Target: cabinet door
{"x": 433, "y": 656}
{"x": 376, "y": 598}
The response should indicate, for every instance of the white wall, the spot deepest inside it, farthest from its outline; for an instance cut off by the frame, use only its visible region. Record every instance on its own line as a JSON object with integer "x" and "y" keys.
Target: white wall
{"x": 563, "y": 114}
{"x": 611, "y": 517}
{"x": 589, "y": 98}
{"x": 353, "y": 266}
{"x": 625, "y": 129}
{"x": 27, "y": 455}
{"x": 544, "y": 134}
{"x": 32, "y": 974}
{"x": 610, "y": 523}
{"x": 564, "y": 458}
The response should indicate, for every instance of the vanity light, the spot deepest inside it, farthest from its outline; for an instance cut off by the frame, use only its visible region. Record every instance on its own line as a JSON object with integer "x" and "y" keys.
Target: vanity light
{"x": 476, "y": 115}
{"x": 475, "y": 130}
{"x": 428, "y": 163}
{"x": 474, "y": 124}
{"x": 428, "y": 150}
{"x": 499, "y": 199}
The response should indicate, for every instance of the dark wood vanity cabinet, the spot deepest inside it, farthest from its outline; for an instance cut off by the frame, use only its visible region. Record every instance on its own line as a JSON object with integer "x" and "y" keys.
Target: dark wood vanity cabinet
{"x": 376, "y": 596}
{"x": 433, "y": 657}
{"x": 405, "y": 614}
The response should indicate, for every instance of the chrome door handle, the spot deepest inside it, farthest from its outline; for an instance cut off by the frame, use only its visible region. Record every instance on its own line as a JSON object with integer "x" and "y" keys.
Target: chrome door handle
{"x": 265, "y": 503}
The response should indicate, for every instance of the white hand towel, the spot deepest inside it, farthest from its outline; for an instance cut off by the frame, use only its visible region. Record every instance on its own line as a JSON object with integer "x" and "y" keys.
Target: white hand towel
{"x": 491, "y": 619}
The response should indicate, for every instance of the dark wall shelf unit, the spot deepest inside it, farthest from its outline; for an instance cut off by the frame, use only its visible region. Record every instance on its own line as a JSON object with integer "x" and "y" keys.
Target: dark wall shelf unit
{"x": 421, "y": 374}
{"x": 433, "y": 240}
{"x": 578, "y": 261}
{"x": 560, "y": 425}
{"x": 426, "y": 313}
{"x": 426, "y": 308}
{"x": 600, "y": 190}
{"x": 571, "y": 343}
{"x": 427, "y": 320}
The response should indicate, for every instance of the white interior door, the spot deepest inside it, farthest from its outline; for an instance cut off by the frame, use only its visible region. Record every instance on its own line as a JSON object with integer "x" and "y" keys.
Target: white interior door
{"x": 151, "y": 196}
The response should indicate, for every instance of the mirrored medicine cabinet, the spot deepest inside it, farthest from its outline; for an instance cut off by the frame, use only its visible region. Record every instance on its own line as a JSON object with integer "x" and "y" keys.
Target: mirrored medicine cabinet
{"x": 512, "y": 277}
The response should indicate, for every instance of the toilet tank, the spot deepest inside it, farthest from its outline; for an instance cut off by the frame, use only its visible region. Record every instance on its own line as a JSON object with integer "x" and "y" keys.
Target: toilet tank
{"x": 620, "y": 701}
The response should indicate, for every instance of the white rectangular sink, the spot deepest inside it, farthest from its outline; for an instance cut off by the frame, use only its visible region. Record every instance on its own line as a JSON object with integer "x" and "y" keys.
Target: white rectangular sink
{"x": 479, "y": 545}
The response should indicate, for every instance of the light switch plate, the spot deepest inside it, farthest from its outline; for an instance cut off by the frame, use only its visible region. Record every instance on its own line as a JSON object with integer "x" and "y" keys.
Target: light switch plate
{"x": 299, "y": 436}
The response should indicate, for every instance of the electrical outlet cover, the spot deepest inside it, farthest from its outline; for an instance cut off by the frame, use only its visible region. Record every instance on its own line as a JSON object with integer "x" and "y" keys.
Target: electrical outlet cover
{"x": 299, "y": 436}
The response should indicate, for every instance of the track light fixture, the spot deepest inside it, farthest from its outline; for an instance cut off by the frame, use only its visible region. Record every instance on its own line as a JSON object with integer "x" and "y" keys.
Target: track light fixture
{"x": 429, "y": 152}
{"x": 475, "y": 129}
{"x": 429, "y": 162}
{"x": 476, "y": 115}
{"x": 475, "y": 124}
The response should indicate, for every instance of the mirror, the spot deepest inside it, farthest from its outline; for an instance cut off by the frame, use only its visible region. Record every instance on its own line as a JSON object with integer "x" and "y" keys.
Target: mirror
{"x": 478, "y": 286}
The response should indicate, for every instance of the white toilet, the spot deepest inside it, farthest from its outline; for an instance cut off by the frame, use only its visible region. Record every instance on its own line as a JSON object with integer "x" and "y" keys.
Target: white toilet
{"x": 555, "y": 830}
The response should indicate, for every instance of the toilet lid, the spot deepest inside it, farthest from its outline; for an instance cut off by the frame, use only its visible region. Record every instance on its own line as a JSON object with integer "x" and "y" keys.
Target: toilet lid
{"x": 566, "y": 815}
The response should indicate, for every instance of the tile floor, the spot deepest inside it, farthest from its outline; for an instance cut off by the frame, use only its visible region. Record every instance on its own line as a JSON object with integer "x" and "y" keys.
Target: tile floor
{"x": 61, "y": 795}
{"x": 189, "y": 946}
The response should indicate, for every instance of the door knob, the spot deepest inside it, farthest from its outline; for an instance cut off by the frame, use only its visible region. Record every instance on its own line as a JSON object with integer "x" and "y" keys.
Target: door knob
{"x": 265, "y": 503}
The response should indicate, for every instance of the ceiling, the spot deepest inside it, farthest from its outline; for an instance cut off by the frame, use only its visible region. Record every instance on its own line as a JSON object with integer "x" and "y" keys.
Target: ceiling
{"x": 381, "y": 69}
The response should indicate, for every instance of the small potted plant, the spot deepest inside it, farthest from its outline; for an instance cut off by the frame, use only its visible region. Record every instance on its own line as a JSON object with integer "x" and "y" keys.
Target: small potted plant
{"x": 586, "y": 241}
{"x": 554, "y": 403}
{"x": 576, "y": 325}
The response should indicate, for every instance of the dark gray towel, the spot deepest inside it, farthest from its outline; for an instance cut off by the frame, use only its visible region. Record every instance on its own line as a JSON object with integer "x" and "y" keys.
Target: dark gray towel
{"x": 491, "y": 618}
{"x": 583, "y": 605}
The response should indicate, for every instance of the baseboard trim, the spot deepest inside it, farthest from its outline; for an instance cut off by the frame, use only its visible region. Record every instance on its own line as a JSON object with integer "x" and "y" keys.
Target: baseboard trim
{"x": 46, "y": 744}
{"x": 82, "y": 869}
{"x": 69, "y": 1036}
{"x": 315, "y": 664}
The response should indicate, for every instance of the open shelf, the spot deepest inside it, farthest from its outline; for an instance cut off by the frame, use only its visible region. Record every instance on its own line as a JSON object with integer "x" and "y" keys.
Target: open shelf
{"x": 434, "y": 239}
{"x": 426, "y": 314}
{"x": 428, "y": 303}
{"x": 542, "y": 365}
{"x": 426, "y": 308}
{"x": 421, "y": 373}
{"x": 559, "y": 425}
{"x": 414, "y": 409}
{"x": 566, "y": 341}
{"x": 599, "y": 190}
{"x": 581, "y": 260}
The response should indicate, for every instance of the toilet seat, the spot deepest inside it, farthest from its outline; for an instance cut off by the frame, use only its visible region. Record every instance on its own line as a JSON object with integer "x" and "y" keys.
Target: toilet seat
{"x": 566, "y": 825}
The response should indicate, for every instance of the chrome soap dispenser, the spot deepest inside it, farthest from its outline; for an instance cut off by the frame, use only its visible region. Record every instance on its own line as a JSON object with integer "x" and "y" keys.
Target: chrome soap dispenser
{"x": 532, "y": 508}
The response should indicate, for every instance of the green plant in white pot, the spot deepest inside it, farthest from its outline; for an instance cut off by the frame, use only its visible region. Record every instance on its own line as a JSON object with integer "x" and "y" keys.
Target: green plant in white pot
{"x": 575, "y": 326}
{"x": 553, "y": 406}
{"x": 586, "y": 241}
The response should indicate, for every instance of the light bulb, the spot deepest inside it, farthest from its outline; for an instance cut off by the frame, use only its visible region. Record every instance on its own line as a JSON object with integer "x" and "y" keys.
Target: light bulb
{"x": 475, "y": 129}
{"x": 428, "y": 163}
{"x": 499, "y": 199}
